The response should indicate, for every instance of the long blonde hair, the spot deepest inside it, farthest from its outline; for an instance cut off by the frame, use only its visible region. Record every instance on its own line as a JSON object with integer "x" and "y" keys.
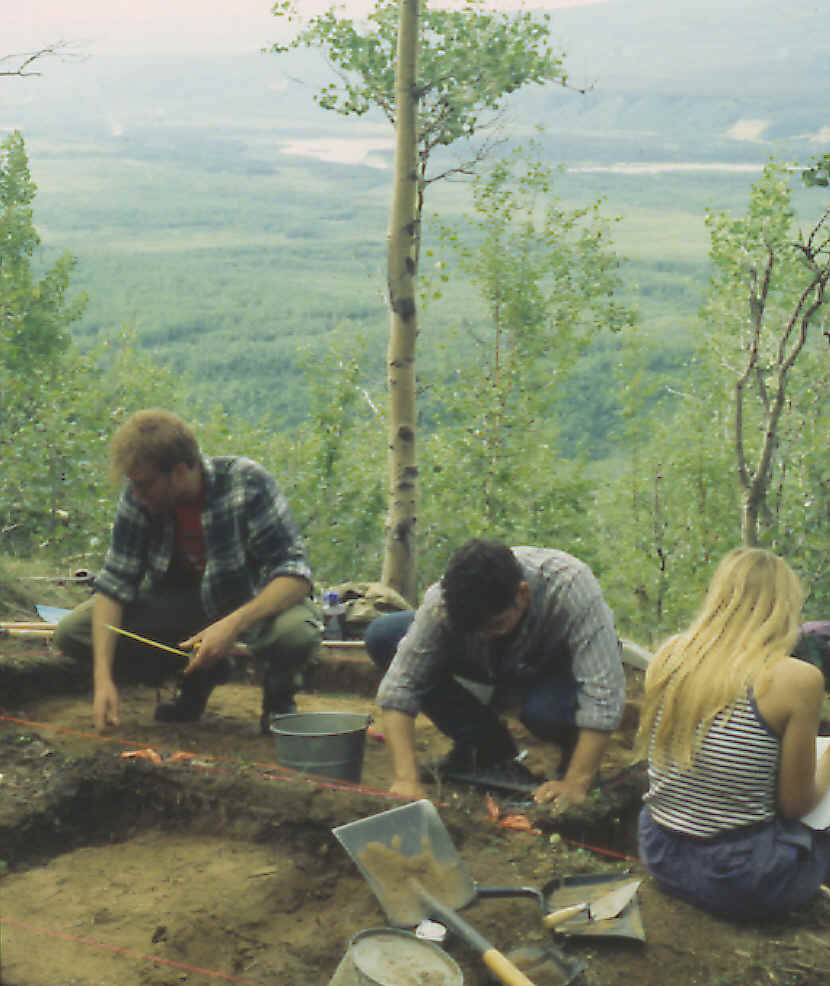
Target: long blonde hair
{"x": 748, "y": 622}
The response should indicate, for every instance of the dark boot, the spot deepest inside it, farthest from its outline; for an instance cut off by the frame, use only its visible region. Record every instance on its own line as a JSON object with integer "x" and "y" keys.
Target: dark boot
{"x": 460, "y": 758}
{"x": 273, "y": 706}
{"x": 194, "y": 692}
{"x": 506, "y": 775}
{"x": 278, "y": 688}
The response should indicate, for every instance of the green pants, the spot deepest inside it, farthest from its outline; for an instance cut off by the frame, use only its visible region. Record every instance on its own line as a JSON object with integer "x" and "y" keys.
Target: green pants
{"x": 285, "y": 643}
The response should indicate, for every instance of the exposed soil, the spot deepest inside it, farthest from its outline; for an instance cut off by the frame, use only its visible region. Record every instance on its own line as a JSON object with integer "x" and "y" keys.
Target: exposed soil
{"x": 222, "y": 867}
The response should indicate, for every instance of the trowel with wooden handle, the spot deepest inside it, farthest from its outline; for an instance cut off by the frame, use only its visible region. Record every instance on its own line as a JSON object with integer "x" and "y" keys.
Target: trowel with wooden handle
{"x": 595, "y": 909}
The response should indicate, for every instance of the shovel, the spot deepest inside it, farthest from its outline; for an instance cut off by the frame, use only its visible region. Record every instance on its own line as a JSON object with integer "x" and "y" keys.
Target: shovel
{"x": 597, "y": 908}
{"x": 498, "y": 964}
{"x": 414, "y": 870}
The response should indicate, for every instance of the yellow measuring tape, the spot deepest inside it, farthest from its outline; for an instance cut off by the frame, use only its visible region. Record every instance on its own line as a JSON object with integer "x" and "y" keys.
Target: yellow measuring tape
{"x": 152, "y": 643}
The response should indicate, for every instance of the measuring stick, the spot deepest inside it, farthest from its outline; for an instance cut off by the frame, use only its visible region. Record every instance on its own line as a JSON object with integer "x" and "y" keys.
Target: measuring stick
{"x": 30, "y": 634}
{"x": 146, "y": 640}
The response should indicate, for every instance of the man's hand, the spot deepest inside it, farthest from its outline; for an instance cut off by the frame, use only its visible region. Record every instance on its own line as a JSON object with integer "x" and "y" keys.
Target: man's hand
{"x": 105, "y": 706}
{"x": 280, "y": 594}
{"x": 106, "y": 613}
{"x": 585, "y": 761}
{"x": 210, "y": 644}
{"x": 564, "y": 794}
{"x": 399, "y": 730}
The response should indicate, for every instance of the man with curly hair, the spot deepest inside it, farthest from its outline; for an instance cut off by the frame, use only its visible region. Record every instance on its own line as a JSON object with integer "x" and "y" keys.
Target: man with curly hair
{"x": 532, "y": 624}
{"x": 204, "y": 552}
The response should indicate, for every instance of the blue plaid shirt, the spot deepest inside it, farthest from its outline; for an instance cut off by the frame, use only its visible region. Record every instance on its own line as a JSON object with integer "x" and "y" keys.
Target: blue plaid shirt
{"x": 567, "y": 628}
{"x": 250, "y": 539}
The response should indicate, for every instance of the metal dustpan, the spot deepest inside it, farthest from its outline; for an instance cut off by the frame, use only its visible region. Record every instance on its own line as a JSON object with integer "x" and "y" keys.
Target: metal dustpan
{"x": 595, "y": 907}
{"x": 578, "y": 890}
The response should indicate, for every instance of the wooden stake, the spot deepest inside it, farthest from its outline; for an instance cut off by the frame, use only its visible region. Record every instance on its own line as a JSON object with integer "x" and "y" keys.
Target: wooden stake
{"x": 33, "y": 634}
{"x": 26, "y": 625}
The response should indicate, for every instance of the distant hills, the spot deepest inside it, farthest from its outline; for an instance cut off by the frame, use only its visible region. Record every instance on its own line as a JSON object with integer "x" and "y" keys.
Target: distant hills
{"x": 684, "y": 69}
{"x": 753, "y": 45}
{"x": 167, "y": 177}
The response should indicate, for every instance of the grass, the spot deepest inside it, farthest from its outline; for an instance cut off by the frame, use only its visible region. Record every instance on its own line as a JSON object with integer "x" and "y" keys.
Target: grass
{"x": 21, "y": 588}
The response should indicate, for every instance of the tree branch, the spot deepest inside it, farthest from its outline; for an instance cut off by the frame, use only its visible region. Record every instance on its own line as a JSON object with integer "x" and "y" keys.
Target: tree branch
{"x": 785, "y": 363}
{"x": 757, "y": 306}
{"x": 21, "y": 64}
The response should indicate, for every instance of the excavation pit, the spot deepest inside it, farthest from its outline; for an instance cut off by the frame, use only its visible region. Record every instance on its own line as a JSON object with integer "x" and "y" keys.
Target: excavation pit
{"x": 221, "y": 866}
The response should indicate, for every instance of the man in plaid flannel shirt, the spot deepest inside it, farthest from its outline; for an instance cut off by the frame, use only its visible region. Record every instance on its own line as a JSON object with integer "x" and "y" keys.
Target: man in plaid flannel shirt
{"x": 531, "y": 624}
{"x": 204, "y": 552}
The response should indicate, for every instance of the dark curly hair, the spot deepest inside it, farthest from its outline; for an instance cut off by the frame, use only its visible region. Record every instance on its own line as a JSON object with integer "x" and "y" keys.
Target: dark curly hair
{"x": 481, "y": 581}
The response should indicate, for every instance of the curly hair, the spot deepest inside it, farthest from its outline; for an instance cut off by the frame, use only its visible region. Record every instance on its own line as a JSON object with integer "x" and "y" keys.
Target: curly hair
{"x": 748, "y": 622}
{"x": 481, "y": 581}
{"x": 155, "y": 438}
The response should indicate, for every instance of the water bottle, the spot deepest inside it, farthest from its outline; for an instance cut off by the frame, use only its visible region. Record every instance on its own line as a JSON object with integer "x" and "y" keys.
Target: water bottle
{"x": 334, "y": 616}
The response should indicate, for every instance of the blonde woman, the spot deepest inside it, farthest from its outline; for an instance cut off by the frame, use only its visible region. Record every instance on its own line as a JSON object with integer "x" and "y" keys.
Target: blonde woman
{"x": 729, "y": 724}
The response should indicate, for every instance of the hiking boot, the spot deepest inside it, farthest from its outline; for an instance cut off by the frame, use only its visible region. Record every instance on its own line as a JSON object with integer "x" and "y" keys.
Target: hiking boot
{"x": 464, "y": 759}
{"x": 506, "y": 775}
{"x": 194, "y": 692}
{"x": 460, "y": 758}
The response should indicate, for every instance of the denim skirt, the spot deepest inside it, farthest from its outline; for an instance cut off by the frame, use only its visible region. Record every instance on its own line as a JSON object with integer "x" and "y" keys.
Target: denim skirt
{"x": 763, "y": 871}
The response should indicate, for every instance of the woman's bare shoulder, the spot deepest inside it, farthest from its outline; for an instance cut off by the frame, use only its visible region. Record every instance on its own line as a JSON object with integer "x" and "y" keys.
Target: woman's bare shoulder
{"x": 790, "y": 687}
{"x": 797, "y": 674}
{"x": 791, "y": 679}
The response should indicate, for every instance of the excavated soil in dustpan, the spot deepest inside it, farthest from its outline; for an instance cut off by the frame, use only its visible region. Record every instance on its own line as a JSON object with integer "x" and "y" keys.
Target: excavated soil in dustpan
{"x": 219, "y": 868}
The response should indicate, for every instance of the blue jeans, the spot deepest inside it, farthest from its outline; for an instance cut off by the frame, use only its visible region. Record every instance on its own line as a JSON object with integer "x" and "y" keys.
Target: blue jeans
{"x": 547, "y": 702}
{"x": 763, "y": 872}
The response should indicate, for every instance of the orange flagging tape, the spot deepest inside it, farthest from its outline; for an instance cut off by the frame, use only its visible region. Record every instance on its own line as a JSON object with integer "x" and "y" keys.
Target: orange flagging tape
{"x": 601, "y": 851}
{"x": 273, "y": 771}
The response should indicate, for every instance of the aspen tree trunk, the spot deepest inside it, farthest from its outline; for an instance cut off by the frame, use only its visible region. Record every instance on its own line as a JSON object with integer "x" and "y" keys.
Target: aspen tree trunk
{"x": 399, "y": 561}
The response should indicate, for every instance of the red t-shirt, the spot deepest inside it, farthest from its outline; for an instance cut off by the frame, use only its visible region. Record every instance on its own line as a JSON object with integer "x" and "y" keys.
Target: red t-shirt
{"x": 188, "y": 560}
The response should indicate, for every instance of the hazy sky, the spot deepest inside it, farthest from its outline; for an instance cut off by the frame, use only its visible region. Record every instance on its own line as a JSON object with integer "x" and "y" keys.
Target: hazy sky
{"x": 164, "y": 25}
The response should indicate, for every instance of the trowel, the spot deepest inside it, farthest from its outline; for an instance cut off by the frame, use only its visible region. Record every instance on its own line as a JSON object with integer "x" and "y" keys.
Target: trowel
{"x": 595, "y": 908}
{"x": 592, "y": 913}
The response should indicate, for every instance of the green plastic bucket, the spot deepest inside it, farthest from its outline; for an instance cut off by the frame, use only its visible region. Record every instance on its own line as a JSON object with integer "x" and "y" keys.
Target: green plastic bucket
{"x": 392, "y": 957}
{"x": 330, "y": 744}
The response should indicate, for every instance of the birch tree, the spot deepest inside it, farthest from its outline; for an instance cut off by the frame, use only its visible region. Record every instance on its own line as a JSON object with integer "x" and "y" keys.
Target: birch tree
{"x": 399, "y": 559}
{"x": 468, "y": 62}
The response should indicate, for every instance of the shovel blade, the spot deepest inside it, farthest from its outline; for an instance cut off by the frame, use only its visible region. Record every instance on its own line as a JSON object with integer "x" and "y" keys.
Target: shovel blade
{"x": 396, "y": 846}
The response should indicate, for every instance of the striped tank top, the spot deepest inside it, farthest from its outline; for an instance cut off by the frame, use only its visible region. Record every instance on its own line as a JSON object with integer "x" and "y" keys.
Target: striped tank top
{"x": 732, "y": 781}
